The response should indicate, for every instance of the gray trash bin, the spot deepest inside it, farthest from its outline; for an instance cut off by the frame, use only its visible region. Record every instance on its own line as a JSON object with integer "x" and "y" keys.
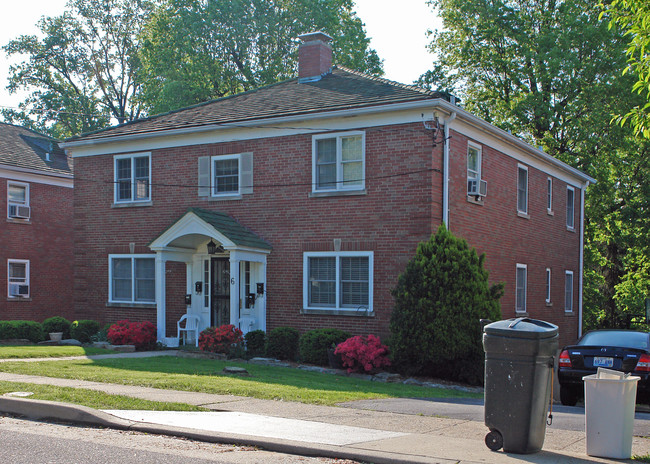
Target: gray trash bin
{"x": 519, "y": 357}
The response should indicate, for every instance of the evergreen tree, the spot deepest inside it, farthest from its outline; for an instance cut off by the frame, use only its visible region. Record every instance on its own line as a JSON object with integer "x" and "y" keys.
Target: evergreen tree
{"x": 439, "y": 302}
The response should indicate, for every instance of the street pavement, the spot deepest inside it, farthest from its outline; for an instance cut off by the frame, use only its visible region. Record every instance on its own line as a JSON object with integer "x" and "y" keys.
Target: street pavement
{"x": 378, "y": 431}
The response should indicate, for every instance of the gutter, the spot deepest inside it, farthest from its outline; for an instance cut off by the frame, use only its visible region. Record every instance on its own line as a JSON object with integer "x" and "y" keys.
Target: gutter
{"x": 582, "y": 253}
{"x": 445, "y": 171}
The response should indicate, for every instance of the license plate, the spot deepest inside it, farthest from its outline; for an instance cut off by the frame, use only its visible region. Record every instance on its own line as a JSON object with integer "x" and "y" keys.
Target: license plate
{"x": 600, "y": 361}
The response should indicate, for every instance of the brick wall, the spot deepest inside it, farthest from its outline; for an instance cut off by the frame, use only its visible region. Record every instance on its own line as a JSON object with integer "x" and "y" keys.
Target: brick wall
{"x": 46, "y": 241}
{"x": 539, "y": 241}
{"x": 389, "y": 220}
{"x": 397, "y": 213}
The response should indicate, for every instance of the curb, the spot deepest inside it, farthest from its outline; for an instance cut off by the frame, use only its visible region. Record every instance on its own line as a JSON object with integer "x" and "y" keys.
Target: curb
{"x": 64, "y": 412}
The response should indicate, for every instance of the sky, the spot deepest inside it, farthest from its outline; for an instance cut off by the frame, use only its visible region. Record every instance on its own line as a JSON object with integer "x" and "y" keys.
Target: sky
{"x": 397, "y": 31}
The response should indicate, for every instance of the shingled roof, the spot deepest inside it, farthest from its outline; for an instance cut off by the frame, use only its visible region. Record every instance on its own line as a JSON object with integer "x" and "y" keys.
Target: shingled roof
{"x": 27, "y": 149}
{"x": 339, "y": 90}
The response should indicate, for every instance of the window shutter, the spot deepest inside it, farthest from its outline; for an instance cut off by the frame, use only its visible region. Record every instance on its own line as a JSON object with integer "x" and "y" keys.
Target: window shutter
{"x": 204, "y": 176}
{"x": 246, "y": 175}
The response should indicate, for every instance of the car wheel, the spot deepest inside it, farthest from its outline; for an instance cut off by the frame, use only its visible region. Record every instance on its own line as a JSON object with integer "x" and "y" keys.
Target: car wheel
{"x": 568, "y": 395}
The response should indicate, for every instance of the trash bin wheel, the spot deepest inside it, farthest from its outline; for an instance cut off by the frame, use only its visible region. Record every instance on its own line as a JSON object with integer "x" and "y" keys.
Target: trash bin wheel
{"x": 494, "y": 440}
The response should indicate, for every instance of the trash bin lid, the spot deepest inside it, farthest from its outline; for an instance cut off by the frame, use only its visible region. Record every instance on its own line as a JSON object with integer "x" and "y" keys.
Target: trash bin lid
{"x": 522, "y": 327}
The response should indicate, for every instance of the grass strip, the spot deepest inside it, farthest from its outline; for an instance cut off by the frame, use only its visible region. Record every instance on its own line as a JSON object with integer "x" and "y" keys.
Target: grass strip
{"x": 91, "y": 398}
{"x": 37, "y": 351}
{"x": 205, "y": 376}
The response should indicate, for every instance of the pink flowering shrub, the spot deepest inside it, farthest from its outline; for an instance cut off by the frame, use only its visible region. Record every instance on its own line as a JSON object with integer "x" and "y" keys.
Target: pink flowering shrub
{"x": 363, "y": 353}
{"x": 220, "y": 339}
{"x": 140, "y": 334}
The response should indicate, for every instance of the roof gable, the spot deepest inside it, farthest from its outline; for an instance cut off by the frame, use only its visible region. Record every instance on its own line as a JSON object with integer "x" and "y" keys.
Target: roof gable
{"x": 26, "y": 149}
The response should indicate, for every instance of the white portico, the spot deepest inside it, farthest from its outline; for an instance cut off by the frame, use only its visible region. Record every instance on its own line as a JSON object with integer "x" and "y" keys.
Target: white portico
{"x": 225, "y": 271}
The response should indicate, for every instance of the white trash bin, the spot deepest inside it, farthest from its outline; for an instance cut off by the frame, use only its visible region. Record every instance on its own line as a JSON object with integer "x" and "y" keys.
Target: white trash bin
{"x": 610, "y": 398}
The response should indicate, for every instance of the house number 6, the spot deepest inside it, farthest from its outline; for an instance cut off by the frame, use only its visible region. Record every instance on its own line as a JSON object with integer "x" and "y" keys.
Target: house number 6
{"x": 232, "y": 281}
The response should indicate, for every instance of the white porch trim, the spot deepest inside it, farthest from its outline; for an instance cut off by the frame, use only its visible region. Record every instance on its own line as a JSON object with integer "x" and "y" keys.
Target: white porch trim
{"x": 186, "y": 241}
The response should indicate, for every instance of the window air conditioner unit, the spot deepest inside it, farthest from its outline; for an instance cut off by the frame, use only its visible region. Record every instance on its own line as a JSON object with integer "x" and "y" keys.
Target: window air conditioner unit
{"x": 19, "y": 211}
{"x": 476, "y": 187}
{"x": 18, "y": 290}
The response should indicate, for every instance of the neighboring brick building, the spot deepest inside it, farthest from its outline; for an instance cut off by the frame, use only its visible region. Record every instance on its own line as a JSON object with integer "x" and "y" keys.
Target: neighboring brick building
{"x": 36, "y": 235}
{"x": 300, "y": 203}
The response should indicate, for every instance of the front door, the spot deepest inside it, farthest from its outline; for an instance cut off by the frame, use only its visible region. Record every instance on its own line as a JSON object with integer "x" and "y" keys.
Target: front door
{"x": 220, "y": 280}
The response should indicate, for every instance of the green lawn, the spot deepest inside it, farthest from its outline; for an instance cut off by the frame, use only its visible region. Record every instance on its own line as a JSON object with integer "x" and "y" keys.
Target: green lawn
{"x": 39, "y": 351}
{"x": 206, "y": 376}
{"x": 91, "y": 398}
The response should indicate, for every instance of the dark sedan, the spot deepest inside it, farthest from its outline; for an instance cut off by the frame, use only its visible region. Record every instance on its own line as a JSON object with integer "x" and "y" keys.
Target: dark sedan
{"x": 621, "y": 350}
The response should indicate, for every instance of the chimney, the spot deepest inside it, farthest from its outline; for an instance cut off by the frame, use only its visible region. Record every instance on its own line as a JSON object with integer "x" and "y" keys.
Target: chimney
{"x": 314, "y": 56}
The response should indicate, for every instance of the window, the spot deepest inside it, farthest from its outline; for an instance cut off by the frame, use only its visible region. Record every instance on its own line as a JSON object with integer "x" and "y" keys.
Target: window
{"x": 473, "y": 169}
{"x": 570, "y": 211}
{"x": 225, "y": 175}
{"x": 548, "y": 285}
{"x": 132, "y": 279}
{"x": 522, "y": 189}
{"x": 549, "y": 194}
{"x": 520, "y": 293}
{"x": 18, "y": 200}
{"x": 17, "y": 278}
{"x": 338, "y": 280}
{"x": 132, "y": 178}
{"x": 339, "y": 162}
{"x": 568, "y": 291}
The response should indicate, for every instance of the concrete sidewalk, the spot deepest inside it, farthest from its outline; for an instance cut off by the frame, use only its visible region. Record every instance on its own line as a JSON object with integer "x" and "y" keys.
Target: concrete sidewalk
{"x": 341, "y": 432}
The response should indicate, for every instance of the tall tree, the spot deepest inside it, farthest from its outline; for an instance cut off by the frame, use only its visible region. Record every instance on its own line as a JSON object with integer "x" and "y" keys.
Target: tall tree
{"x": 84, "y": 71}
{"x": 633, "y": 17}
{"x": 550, "y": 71}
{"x": 197, "y": 50}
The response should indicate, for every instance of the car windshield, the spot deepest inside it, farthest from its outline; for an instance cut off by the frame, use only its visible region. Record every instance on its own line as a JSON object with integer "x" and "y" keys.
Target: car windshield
{"x": 622, "y": 338}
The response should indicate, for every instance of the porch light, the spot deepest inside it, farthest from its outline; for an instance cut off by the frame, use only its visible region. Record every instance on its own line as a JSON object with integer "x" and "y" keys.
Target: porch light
{"x": 212, "y": 248}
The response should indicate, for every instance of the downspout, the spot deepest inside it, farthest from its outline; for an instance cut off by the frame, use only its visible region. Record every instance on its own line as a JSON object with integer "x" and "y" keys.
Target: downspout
{"x": 445, "y": 172}
{"x": 582, "y": 253}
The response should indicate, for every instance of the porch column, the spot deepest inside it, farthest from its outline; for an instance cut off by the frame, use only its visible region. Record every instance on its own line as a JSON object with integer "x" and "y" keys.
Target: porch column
{"x": 234, "y": 290}
{"x": 161, "y": 316}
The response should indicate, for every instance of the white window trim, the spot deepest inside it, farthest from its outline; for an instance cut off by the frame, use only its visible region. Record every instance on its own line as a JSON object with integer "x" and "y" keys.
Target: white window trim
{"x": 337, "y": 255}
{"x": 116, "y": 185}
{"x": 525, "y": 168}
{"x": 568, "y": 273}
{"x": 237, "y": 193}
{"x": 25, "y": 185}
{"x": 479, "y": 149}
{"x": 340, "y": 186}
{"x": 10, "y": 203}
{"x": 27, "y": 277}
{"x": 110, "y": 278}
{"x": 548, "y": 285}
{"x": 571, "y": 226}
{"x": 549, "y": 195}
{"x": 525, "y": 309}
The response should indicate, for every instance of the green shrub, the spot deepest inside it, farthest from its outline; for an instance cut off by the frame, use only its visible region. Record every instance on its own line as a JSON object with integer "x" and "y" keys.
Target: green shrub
{"x": 57, "y": 324}
{"x": 282, "y": 343}
{"x": 102, "y": 334}
{"x": 315, "y": 343}
{"x": 84, "y": 329}
{"x": 255, "y": 343}
{"x": 439, "y": 300}
{"x": 30, "y": 330}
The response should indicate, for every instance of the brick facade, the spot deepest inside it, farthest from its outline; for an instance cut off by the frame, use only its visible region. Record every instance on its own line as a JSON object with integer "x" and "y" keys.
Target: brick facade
{"x": 45, "y": 240}
{"x": 401, "y": 206}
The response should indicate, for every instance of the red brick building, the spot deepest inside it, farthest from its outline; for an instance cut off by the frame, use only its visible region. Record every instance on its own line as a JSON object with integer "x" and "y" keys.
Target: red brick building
{"x": 36, "y": 235}
{"x": 299, "y": 204}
